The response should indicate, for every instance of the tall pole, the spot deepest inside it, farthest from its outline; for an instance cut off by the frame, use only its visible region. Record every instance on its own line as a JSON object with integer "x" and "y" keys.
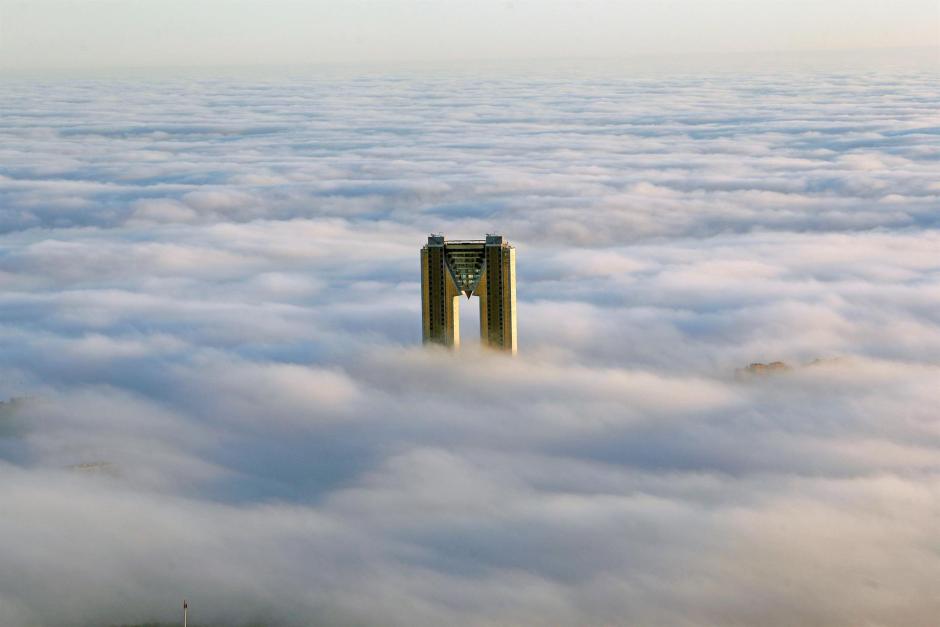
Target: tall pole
{"x": 185, "y": 613}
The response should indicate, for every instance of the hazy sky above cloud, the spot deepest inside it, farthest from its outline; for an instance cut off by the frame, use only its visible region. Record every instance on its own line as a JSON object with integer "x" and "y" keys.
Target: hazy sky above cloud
{"x": 209, "y": 305}
{"x": 106, "y": 33}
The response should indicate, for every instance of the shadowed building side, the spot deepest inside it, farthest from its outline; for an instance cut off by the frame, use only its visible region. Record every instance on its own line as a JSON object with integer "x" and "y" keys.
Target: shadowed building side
{"x": 439, "y": 297}
{"x": 485, "y": 268}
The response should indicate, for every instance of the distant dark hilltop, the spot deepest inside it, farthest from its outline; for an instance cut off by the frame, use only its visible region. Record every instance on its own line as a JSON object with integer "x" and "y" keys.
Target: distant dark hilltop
{"x": 758, "y": 368}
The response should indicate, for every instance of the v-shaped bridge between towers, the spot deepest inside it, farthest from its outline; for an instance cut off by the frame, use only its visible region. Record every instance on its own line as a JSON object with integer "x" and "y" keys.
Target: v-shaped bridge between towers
{"x": 482, "y": 268}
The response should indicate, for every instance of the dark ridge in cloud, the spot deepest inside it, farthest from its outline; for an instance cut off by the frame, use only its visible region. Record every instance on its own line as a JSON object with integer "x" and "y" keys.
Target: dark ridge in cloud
{"x": 210, "y": 314}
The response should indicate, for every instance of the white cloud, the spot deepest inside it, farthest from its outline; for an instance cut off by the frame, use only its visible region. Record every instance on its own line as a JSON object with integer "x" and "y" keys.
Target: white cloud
{"x": 210, "y": 301}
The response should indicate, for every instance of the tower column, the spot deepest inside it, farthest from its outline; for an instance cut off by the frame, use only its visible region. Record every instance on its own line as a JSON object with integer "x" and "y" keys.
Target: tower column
{"x": 440, "y": 310}
{"x": 481, "y": 295}
{"x": 499, "y": 295}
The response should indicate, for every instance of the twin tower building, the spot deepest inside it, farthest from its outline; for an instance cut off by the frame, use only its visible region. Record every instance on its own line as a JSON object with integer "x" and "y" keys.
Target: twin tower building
{"x": 482, "y": 268}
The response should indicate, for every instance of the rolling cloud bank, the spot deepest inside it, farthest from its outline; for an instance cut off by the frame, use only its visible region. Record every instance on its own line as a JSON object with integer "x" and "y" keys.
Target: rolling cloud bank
{"x": 211, "y": 318}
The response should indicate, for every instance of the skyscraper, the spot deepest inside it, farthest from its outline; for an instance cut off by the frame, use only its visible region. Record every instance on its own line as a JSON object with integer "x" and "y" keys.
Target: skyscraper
{"x": 482, "y": 268}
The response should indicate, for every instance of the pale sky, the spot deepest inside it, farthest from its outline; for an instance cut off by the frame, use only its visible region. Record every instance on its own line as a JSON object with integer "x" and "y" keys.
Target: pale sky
{"x": 106, "y": 33}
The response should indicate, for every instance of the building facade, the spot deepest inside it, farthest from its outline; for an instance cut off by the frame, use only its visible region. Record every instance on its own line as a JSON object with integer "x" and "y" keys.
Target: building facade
{"x": 482, "y": 268}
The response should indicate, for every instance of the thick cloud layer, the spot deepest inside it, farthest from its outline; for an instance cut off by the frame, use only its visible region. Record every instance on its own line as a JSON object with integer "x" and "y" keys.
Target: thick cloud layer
{"x": 210, "y": 312}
